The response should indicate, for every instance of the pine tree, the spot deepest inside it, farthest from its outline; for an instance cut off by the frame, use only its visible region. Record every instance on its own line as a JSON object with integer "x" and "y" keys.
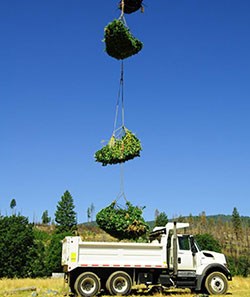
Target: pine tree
{"x": 157, "y": 212}
{"x": 90, "y": 212}
{"x": 65, "y": 216}
{"x": 237, "y": 224}
{"x": 161, "y": 219}
{"x": 45, "y": 217}
{"x": 13, "y": 205}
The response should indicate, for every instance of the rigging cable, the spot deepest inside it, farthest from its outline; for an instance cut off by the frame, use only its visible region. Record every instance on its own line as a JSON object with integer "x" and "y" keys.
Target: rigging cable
{"x": 120, "y": 100}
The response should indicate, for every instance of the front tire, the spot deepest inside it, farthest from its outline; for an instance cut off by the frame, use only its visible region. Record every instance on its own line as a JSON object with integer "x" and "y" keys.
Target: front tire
{"x": 119, "y": 283}
{"x": 216, "y": 283}
{"x": 87, "y": 284}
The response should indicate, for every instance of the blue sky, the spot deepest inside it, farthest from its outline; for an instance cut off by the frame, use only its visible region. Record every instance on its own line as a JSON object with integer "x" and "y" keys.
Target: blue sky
{"x": 186, "y": 97}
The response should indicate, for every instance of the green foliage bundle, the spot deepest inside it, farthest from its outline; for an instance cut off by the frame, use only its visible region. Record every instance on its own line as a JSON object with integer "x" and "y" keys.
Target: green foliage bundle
{"x": 119, "y": 150}
{"x": 120, "y": 43}
{"x": 120, "y": 223}
{"x": 131, "y": 6}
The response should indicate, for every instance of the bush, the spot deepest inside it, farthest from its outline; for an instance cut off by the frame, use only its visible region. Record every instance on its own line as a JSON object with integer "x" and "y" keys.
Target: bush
{"x": 239, "y": 266}
{"x": 54, "y": 252}
{"x": 208, "y": 242}
{"x": 16, "y": 246}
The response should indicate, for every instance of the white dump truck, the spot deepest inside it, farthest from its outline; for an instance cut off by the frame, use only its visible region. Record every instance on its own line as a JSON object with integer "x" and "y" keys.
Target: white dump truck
{"x": 168, "y": 260}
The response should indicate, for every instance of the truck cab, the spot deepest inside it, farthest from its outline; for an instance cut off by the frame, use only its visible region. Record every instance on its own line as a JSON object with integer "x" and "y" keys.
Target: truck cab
{"x": 189, "y": 265}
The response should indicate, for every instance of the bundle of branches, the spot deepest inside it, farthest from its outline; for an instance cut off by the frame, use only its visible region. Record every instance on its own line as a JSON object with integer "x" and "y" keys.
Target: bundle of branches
{"x": 126, "y": 223}
{"x": 120, "y": 43}
{"x": 131, "y": 5}
{"x": 119, "y": 150}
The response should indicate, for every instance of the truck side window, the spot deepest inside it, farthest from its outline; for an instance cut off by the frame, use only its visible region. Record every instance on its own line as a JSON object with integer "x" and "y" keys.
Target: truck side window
{"x": 184, "y": 243}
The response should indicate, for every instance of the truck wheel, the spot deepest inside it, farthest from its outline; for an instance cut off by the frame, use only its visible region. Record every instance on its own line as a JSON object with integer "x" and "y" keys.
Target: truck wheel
{"x": 119, "y": 283}
{"x": 216, "y": 283}
{"x": 87, "y": 284}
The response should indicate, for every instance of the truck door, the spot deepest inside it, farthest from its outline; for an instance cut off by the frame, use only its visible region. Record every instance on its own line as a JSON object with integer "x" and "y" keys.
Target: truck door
{"x": 186, "y": 257}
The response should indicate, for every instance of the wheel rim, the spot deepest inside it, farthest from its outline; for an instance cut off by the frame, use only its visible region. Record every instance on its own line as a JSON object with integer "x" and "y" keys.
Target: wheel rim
{"x": 120, "y": 284}
{"x": 88, "y": 286}
{"x": 217, "y": 284}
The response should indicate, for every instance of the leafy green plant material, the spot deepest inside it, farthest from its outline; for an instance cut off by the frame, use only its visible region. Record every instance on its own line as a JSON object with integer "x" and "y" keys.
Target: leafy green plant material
{"x": 119, "y": 150}
{"x": 120, "y": 43}
{"x": 126, "y": 223}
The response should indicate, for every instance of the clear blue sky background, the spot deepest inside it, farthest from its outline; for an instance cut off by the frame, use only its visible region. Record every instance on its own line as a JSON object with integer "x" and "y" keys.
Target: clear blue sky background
{"x": 186, "y": 97}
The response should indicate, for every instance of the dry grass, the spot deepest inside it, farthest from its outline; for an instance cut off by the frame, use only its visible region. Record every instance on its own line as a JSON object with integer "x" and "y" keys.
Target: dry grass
{"x": 239, "y": 287}
{"x": 44, "y": 287}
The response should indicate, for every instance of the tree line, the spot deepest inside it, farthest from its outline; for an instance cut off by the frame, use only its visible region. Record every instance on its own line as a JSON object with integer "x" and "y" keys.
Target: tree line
{"x": 27, "y": 251}
{"x": 34, "y": 250}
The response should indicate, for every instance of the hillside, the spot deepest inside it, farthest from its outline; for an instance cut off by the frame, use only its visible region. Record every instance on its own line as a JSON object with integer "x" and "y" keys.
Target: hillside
{"x": 233, "y": 242}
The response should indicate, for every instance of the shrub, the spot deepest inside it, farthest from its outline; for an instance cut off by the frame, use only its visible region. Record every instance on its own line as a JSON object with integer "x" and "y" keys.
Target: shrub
{"x": 208, "y": 242}
{"x": 16, "y": 246}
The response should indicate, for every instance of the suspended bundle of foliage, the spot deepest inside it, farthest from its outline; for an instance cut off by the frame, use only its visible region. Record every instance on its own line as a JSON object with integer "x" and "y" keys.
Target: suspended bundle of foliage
{"x": 131, "y": 5}
{"x": 119, "y": 150}
{"x": 122, "y": 223}
{"x": 120, "y": 43}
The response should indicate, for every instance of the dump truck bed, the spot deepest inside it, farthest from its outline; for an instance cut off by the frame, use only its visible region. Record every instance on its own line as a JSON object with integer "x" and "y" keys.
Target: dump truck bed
{"x": 112, "y": 254}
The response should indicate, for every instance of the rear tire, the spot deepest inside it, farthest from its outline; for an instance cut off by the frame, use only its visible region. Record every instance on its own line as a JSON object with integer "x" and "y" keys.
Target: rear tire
{"x": 119, "y": 283}
{"x": 87, "y": 284}
{"x": 216, "y": 283}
